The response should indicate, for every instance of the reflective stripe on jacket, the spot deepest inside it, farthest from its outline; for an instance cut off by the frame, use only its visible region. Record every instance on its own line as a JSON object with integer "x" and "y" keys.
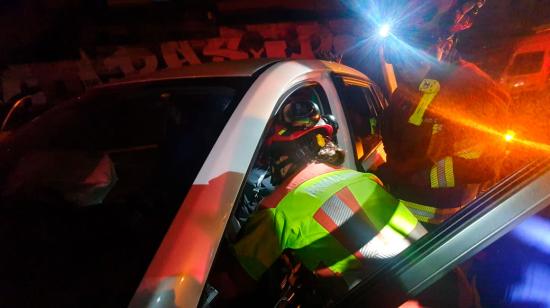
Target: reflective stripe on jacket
{"x": 430, "y": 214}
{"x": 442, "y": 174}
{"x": 336, "y": 221}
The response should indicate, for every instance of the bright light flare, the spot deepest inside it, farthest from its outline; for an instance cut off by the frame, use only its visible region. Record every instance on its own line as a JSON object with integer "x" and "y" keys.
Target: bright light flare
{"x": 509, "y": 136}
{"x": 384, "y": 30}
{"x": 377, "y": 16}
{"x": 519, "y": 84}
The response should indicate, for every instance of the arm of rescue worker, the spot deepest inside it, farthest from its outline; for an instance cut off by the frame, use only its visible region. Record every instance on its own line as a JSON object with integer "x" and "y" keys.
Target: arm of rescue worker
{"x": 260, "y": 245}
{"x": 479, "y": 170}
{"x": 452, "y": 171}
{"x": 237, "y": 275}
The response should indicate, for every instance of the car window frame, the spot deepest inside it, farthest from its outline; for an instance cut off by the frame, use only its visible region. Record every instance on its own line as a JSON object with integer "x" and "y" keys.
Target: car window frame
{"x": 340, "y": 80}
{"x": 512, "y": 67}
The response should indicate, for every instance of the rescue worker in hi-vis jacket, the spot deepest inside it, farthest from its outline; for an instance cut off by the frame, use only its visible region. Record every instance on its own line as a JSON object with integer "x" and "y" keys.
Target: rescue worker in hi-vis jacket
{"x": 443, "y": 130}
{"x": 338, "y": 223}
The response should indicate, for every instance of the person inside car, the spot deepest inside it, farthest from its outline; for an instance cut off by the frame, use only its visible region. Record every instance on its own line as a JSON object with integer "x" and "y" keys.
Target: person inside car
{"x": 338, "y": 223}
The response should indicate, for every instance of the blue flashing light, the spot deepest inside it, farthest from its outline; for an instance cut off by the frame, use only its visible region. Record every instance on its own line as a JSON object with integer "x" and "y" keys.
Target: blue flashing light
{"x": 384, "y": 30}
{"x": 534, "y": 232}
{"x": 533, "y": 287}
{"x": 387, "y": 23}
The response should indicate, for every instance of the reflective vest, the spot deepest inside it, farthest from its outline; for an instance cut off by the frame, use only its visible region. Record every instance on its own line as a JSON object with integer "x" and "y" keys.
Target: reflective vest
{"x": 335, "y": 220}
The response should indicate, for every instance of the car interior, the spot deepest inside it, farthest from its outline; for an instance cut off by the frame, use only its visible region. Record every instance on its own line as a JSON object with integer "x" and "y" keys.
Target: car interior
{"x": 363, "y": 103}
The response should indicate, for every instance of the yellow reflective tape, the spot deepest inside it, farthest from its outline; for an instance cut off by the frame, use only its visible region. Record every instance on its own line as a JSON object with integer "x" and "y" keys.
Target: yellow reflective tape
{"x": 442, "y": 174}
{"x": 320, "y": 140}
{"x": 449, "y": 173}
{"x": 430, "y": 214}
{"x": 421, "y": 207}
{"x": 434, "y": 179}
{"x": 469, "y": 154}
{"x": 423, "y": 219}
{"x": 473, "y": 152}
{"x": 430, "y": 88}
{"x": 421, "y": 215}
{"x": 281, "y": 132}
{"x": 437, "y": 128}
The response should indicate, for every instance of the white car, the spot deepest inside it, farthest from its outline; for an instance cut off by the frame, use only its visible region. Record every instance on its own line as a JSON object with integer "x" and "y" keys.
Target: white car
{"x": 128, "y": 194}
{"x": 137, "y": 181}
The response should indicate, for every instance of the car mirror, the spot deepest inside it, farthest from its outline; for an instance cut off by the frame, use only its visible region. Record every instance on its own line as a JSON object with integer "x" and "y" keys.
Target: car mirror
{"x": 77, "y": 178}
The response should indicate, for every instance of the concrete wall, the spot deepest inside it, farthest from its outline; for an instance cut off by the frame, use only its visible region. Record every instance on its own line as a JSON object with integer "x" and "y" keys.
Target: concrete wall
{"x": 61, "y": 79}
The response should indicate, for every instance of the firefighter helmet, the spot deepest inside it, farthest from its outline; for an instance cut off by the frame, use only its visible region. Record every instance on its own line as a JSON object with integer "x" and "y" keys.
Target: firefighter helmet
{"x": 298, "y": 137}
{"x": 300, "y": 113}
{"x": 300, "y": 128}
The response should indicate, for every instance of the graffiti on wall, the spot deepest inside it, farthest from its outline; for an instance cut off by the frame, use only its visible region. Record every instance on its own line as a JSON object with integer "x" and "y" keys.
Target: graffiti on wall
{"x": 59, "y": 80}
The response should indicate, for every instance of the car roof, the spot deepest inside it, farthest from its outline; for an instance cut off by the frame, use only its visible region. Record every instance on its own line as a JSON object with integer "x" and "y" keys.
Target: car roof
{"x": 241, "y": 68}
{"x": 244, "y": 68}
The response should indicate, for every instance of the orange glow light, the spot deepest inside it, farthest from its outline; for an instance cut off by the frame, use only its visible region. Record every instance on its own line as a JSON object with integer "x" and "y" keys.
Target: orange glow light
{"x": 509, "y": 136}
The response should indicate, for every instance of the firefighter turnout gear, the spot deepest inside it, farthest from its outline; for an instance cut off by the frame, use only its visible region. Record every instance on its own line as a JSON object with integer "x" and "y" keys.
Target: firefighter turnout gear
{"x": 336, "y": 221}
{"x": 440, "y": 139}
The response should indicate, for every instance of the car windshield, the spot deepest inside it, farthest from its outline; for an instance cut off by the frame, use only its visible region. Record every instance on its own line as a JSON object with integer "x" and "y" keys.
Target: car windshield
{"x": 89, "y": 188}
{"x": 527, "y": 63}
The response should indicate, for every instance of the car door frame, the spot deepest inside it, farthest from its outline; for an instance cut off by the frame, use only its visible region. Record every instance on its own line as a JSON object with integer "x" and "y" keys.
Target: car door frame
{"x": 481, "y": 223}
{"x": 324, "y": 78}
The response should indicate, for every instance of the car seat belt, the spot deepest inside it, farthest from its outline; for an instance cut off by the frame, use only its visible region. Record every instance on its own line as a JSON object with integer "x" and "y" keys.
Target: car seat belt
{"x": 259, "y": 184}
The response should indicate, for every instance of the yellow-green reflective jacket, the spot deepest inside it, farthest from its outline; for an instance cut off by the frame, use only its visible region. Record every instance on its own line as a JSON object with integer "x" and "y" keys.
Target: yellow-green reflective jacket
{"x": 335, "y": 220}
